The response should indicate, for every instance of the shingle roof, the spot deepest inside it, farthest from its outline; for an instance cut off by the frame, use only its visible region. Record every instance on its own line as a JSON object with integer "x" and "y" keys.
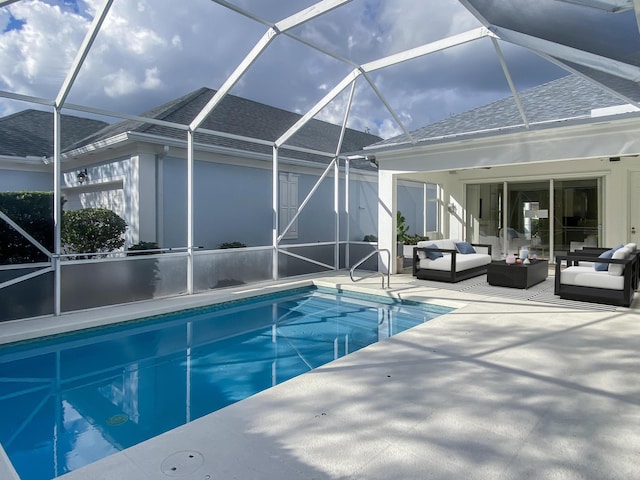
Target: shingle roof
{"x": 568, "y": 97}
{"x": 239, "y": 116}
{"x": 30, "y": 132}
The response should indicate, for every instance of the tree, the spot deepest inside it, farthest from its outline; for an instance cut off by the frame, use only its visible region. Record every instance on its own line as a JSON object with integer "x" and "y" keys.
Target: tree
{"x": 92, "y": 230}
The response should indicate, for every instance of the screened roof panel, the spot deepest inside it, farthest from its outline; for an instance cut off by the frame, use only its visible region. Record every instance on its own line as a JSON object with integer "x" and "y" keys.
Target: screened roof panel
{"x": 612, "y": 35}
{"x": 598, "y": 38}
{"x": 147, "y": 53}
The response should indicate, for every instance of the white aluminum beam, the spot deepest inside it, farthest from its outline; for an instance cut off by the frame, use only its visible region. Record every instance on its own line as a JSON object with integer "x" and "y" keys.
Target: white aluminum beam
{"x": 27, "y": 98}
{"x": 507, "y": 74}
{"x": 413, "y": 53}
{"x": 336, "y": 184}
{"x": 26, "y": 277}
{"x": 125, "y": 116}
{"x": 426, "y": 49}
{"x": 275, "y": 184}
{"x": 306, "y": 259}
{"x": 335, "y": 91}
{"x": 244, "y": 12}
{"x": 432, "y": 47}
{"x": 26, "y": 235}
{"x": 4, "y": 3}
{"x": 235, "y": 76}
{"x": 190, "y": 162}
{"x": 306, "y": 200}
{"x": 309, "y": 13}
{"x": 89, "y": 38}
{"x": 346, "y": 118}
{"x": 389, "y": 108}
{"x": 587, "y": 59}
{"x": 288, "y": 23}
{"x": 347, "y": 212}
{"x": 297, "y": 38}
{"x": 57, "y": 215}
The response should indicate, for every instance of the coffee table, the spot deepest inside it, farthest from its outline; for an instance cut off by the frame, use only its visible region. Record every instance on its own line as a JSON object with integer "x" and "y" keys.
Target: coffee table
{"x": 500, "y": 273}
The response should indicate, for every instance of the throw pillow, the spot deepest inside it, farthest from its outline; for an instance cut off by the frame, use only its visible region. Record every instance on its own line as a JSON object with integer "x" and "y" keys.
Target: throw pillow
{"x": 433, "y": 255}
{"x": 603, "y": 267}
{"x": 465, "y": 248}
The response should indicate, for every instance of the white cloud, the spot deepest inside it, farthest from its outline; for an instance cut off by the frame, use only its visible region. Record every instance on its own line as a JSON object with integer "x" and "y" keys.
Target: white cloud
{"x": 151, "y": 79}
{"x": 120, "y": 83}
{"x": 389, "y": 129}
{"x": 41, "y": 50}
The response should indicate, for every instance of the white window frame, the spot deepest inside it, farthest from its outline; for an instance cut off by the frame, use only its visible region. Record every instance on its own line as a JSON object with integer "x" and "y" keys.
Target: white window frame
{"x": 288, "y": 204}
{"x": 437, "y": 201}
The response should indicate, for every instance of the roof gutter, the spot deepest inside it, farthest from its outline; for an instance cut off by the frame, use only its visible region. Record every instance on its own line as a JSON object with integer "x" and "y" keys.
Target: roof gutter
{"x": 579, "y": 121}
{"x": 129, "y": 137}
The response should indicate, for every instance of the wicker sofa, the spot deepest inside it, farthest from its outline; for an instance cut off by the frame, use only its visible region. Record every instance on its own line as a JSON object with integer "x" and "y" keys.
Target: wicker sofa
{"x": 599, "y": 278}
{"x": 449, "y": 260}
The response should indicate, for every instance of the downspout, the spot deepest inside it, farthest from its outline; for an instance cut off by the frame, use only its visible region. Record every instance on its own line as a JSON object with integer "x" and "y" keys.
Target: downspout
{"x": 160, "y": 194}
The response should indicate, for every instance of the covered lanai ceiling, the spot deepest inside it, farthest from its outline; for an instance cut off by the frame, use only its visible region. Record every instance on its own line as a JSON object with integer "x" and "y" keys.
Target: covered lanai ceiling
{"x": 597, "y": 39}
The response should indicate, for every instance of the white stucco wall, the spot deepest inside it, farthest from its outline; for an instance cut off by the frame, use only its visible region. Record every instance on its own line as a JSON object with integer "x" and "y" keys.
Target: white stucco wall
{"x": 14, "y": 180}
{"x": 615, "y": 176}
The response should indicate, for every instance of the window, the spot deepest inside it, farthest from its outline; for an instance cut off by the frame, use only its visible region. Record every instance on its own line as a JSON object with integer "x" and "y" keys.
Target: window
{"x": 432, "y": 218}
{"x": 288, "y": 204}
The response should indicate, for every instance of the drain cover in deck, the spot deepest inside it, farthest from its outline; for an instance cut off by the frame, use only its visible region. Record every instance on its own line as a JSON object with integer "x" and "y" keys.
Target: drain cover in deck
{"x": 182, "y": 463}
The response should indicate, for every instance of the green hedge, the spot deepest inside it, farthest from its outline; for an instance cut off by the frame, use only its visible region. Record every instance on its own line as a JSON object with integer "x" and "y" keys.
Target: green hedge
{"x": 32, "y": 211}
{"x": 92, "y": 230}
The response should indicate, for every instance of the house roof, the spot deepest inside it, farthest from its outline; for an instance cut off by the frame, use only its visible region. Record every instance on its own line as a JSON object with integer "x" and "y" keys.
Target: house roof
{"x": 30, "y": 132}
{"x": 242, "y": 117}
{"x": 569, "y": 97}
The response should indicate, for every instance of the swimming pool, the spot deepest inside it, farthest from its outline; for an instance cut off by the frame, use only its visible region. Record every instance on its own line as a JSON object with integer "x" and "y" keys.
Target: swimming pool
{"x": 70, "y": 400}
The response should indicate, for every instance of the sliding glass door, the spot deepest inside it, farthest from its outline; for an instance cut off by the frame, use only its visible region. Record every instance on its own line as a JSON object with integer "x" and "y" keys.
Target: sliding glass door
{"x": 528, "y": 218}
{"x": 577, "y": 214}
{"x": 512, "y": 215}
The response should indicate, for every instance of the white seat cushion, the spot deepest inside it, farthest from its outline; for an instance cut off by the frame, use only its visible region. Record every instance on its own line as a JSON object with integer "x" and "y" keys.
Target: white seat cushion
{"x": 587, "y": 277}
{"x": 463, "y": 262}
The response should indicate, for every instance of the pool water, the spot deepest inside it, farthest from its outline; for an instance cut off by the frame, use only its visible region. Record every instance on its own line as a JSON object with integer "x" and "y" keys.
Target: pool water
{"x": 70, "y": 400}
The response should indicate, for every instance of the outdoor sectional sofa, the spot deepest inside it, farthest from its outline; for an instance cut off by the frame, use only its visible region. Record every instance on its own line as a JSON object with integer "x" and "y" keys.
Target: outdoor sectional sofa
{"x": 609, "y": 278}
{"x": 449, "y": 260}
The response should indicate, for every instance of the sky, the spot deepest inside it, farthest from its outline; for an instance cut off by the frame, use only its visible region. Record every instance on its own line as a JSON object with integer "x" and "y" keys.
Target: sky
{"x": 151, "y": 51}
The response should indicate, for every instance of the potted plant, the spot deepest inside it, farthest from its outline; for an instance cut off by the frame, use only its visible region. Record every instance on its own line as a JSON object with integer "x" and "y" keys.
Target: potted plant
{"x": 402, "y": 234}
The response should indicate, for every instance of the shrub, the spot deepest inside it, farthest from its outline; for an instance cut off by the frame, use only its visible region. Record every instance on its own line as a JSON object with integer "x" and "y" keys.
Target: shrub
{"x": 413, "y": 239}
{"x": 33, "y": 212}
{"x": 136, "y": 249}
{"x": 92, "y": 230}
{"x": 232, "y": 245}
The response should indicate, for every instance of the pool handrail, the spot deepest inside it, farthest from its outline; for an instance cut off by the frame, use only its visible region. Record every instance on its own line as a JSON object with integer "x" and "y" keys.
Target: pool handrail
{"x": 367, "y": 257}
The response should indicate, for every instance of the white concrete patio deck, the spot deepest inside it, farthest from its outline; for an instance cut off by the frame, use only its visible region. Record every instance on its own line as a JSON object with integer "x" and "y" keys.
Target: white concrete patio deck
{"x": 498, "y": 389}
